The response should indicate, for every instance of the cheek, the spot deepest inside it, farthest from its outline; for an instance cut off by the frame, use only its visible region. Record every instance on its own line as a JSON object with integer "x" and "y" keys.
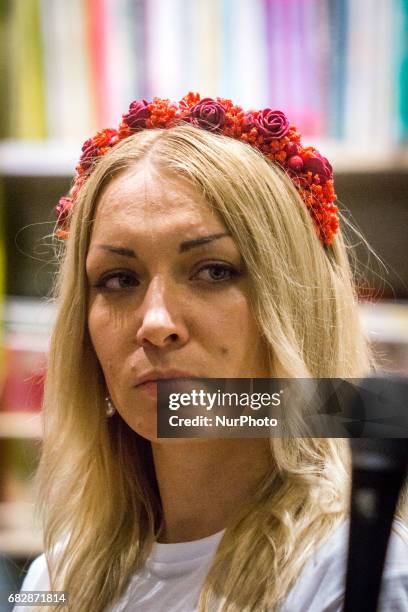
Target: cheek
{"x": 103, "y": 340}
{"x": 231, "y": 325}
{"x": 245, "y": 337}
{"x": 95, "y": 327}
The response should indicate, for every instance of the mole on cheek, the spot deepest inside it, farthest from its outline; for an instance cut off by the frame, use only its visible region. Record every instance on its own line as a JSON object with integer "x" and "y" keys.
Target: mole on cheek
{"x": 224, "y": 350}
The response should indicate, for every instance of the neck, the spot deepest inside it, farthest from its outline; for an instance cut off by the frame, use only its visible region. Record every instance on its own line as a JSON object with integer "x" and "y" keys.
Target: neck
{"x": 203, "y": 483}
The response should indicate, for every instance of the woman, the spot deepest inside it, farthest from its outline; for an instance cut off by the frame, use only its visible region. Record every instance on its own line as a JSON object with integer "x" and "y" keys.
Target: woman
{"x": 201, "y": 241}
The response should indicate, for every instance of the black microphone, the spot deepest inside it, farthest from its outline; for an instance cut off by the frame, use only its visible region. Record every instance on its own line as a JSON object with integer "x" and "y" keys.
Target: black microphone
{"x": 379, "y": 468}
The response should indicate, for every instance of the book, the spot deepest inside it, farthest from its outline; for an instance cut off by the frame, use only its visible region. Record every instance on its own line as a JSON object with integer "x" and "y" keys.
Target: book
{"x": 402, "y": 70}
{"x": 338, "y": 68}
{"x": 70, "y": 112}
{"x": 2, "y": 287}
{"x": 123, "y": 62}
{"x": 244, "y": 75}
{"x": 169, "y": 48}
{"x": 337, "y": 16}
{"x": 371, "y": 84}
{"x": 26, "y": 99}
{"x": 298, "y": 61}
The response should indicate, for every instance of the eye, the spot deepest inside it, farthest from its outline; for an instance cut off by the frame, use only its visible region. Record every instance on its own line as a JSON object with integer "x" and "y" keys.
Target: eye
{"x": 216, "y": 272}
{"x": 116, "y": 281}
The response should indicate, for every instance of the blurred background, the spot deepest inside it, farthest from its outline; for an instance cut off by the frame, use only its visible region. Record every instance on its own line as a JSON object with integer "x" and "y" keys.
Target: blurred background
{"x": 338, "y": 68}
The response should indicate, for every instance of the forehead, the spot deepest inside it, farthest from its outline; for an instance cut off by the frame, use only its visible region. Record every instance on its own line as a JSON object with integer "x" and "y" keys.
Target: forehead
{"x": 142, "y": 200}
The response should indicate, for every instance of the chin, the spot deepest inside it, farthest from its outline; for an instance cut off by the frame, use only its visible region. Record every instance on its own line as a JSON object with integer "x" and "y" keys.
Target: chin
{"x": 143, "y": 428}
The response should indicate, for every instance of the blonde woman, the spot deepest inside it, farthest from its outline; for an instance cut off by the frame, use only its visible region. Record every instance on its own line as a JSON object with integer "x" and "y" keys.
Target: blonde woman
{"x": 192, "y": 249}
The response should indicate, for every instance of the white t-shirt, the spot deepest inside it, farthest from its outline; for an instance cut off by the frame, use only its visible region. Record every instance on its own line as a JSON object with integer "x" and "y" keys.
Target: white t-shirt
{"x": 174, "y": 573}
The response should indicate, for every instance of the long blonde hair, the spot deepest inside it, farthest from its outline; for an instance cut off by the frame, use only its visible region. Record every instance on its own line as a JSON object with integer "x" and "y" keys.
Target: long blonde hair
{"x": 97, "y": 488}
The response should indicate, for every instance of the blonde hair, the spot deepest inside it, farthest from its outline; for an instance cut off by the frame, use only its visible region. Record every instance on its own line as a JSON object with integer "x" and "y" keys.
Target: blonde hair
{"x": 97, "y": 488}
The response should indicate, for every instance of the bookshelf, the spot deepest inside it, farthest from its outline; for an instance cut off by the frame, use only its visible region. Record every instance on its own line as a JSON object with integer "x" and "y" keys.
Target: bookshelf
{"x": 27, "y": 324}
{"x": 44, "y": 158}
{"x": 61, "y": 93}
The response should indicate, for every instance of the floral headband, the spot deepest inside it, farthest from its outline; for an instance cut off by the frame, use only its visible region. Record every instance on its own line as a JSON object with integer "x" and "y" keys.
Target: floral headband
{"x": 267, "y": 130}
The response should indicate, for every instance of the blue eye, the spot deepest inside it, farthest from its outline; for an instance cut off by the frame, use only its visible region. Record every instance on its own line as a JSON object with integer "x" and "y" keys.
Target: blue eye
{"x": 126, "y": 281}
{"x": 211, "y": 273}
{"x": 218, "y": 272}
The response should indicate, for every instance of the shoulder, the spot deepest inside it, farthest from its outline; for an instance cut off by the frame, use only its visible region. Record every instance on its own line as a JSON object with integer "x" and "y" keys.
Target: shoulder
{"x": 395, "y": 582}
{"x": 37, "y": 577}
{"x": 334, "y": 550}
{"x": 397, "y": 555}
{"x": 321, "y": 584}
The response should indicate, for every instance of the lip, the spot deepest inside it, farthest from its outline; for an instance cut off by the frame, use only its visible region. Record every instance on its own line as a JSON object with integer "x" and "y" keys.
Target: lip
{"x": 155, "y": 375}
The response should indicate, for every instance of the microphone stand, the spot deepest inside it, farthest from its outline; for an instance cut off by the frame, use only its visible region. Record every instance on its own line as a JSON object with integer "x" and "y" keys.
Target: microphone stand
{"x": 379, "y": 471}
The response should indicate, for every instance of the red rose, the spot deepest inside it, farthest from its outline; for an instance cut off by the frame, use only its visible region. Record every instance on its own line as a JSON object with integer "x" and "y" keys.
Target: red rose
{"x": 137, "y": 115}
{"x": 208, "y": 114}
{"x": 272, "y": 124}
{"x": 89, "y": 153}
{"x": 319, "y": 165}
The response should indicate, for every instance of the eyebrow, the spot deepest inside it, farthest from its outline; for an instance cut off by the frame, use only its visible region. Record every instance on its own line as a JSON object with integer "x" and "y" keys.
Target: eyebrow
{"x": 184, "y": 246}
{"x": 190, "y": 244}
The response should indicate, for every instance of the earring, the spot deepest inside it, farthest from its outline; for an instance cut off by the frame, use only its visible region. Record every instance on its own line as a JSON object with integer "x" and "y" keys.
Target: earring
{"x": 110, "y": 408}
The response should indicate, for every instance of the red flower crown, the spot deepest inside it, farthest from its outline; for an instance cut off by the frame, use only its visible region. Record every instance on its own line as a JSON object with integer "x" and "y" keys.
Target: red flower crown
{"x": 267, "y": 130}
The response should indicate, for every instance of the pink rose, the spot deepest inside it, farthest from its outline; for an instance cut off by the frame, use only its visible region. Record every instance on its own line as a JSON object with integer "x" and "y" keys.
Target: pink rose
{"x": 272, "y": 124}
{"x": 137, "y": 115}
{"x": 208, "y": 114}
{"x": 319, "y": 165}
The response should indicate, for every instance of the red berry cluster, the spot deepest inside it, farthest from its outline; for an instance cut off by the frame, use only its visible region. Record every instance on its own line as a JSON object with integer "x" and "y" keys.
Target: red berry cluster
{"x": 267, "y": 130}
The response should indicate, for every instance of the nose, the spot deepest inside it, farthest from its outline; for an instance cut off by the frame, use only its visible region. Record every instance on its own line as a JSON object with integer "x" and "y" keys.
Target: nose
{"x": 161, "y": 322}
